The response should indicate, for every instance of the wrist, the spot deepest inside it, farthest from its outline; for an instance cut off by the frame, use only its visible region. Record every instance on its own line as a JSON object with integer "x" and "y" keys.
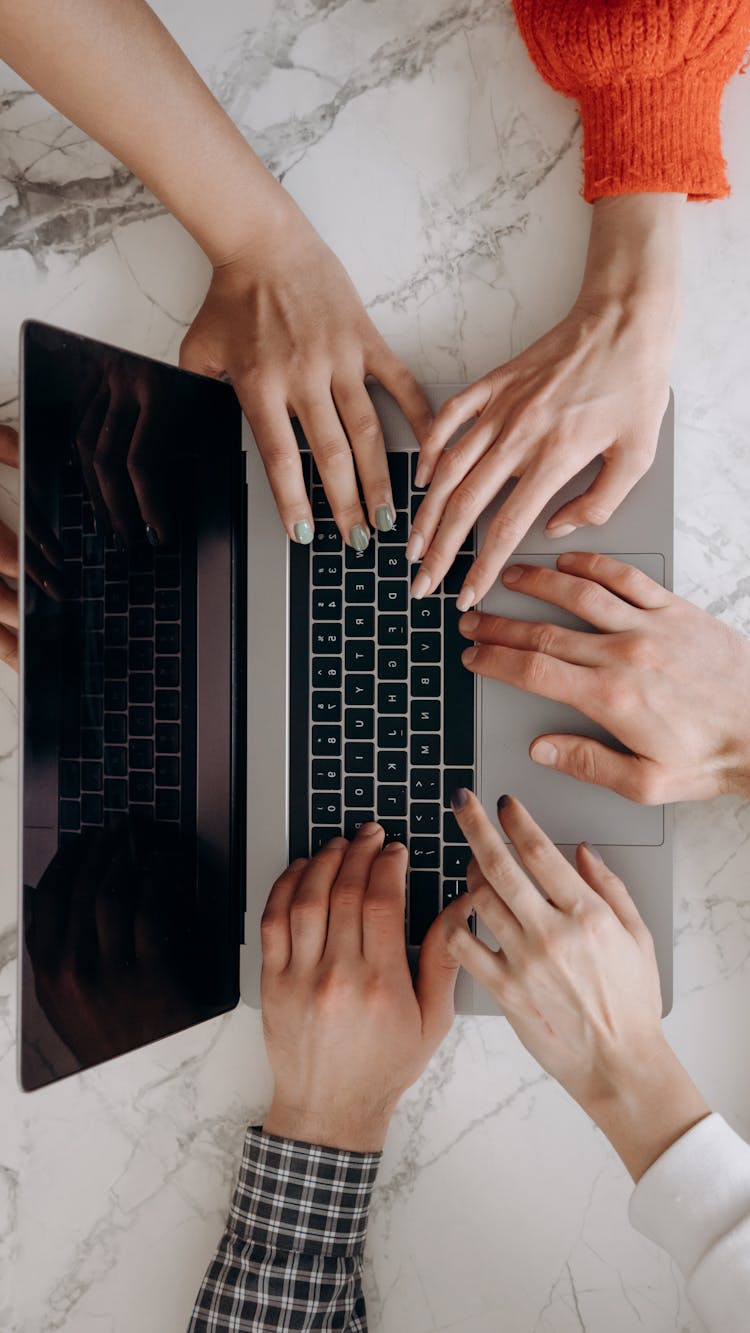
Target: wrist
{"x": 345, "y": 1129}
{"x": 633, "y": 261}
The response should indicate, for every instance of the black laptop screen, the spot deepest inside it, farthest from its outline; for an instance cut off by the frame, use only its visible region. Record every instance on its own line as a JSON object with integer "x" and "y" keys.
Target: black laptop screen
{"x": 132, "y": 496}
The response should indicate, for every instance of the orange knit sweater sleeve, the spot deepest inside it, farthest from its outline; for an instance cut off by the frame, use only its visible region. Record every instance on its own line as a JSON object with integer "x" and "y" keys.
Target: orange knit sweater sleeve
{"x": 649, "y": 77}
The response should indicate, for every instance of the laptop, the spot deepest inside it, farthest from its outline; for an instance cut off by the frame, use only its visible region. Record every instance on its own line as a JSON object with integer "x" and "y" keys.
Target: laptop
{"x": 203, "y": 701}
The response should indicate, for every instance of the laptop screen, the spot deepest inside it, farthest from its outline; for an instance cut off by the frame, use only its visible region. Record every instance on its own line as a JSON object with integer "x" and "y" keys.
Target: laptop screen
{"x": 132, "y": 713}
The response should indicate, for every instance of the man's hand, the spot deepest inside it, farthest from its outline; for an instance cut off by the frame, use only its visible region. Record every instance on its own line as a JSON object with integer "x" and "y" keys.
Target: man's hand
{"x": 346, "y": 1030}
{"x": 596, "y": 384}
{"x": 663, "y": 676}
{"x": 575, "y": 975}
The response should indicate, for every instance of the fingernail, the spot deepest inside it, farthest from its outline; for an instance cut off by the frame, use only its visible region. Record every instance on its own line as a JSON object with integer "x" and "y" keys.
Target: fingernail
{"x": 466, "y": 599}
{"x": 544, "y": 752}
{"x": 468, "y": 623}
{"x": 459, "y": 797}
{"x": 414, "y": 547}
{"x": 304, "y": 532}
{"x": 421, "y": 475}
{"x": 421, "y": 584}
{"x": 502, "y": 801}
{"x": 468, "y": 655}
{"x": 152, "y": 536}
{"x": 385, "y": 519}
{"x": 512, "y": 574}
{"x": 367, "y": 830}
{"x": 593, "y": 850}
{"x": 359, "y": 537}
{"x": 564, "y": 530}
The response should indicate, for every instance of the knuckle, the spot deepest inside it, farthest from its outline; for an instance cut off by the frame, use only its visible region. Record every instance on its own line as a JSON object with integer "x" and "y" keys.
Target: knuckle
{"x": 346, "y": 895}
{"x": 330, "y": 449}
{"x": 304, "y": 912}
{"x": 365, "y": 428}
{"x": 544, "y": 639}
{"x": 587, "y": 599}
{"x": 506, "y": 530}
{"x": 452, "y": 465}
{"x": 534, "y": 671}
{"x": 464, "y": 503}
{"x": 584, "y": 763}
{"x": 377, "y": 909}
{"x": 495, "y": 866}
{"x": 535, "y": 847}
{"x": 595, "y": 514}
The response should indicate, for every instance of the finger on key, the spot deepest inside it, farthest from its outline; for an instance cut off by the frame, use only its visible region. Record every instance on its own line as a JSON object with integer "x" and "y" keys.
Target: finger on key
{"x": 368, "y": 446}
{"x": 310, "y": 908}
{"x": 268, "y": 417}
{"x": 569, "y": 645}
{"x": 454, "y": 414}
{"x": 332, "y": 453}
{"x": 345, "y": 931}
{"x": 583, "y": 597}
{"x": 453, "y": 465}
{"x": 499, "y": 868}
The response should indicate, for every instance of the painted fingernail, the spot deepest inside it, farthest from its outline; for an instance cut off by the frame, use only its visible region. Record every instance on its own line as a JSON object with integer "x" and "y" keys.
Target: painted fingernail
{"x": 502, "y": 801}
{"x": 544, "y": 752}
{"x": 459, "y": 797}
{"x": 468, "y": 655}
{"x": 469, "y": 622}
{"x": 304, "y": 531}
{"x": 564, "y": 530}
{"x": 359, "y": 537}
{"x": 421, "y": 475}
{"x": 414, "y": 547}
{"x": 512, "y": 574}
{"x": 421, "y": 584}
{"x": 593, "y": 850}
{"x": 385, "y": 519}
{"x": 466, "y": 599}
{"x": 152, "y": 536}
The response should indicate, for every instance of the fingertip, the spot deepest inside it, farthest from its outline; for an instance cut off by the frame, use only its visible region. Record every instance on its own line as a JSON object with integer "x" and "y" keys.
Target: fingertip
{"x": 469, "y": 622}
{"x": 469, "y": 655}
{"x": 544, "y": 752}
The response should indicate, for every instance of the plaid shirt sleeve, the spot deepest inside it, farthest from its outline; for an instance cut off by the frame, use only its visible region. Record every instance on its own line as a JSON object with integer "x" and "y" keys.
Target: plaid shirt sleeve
{"x": 291, "y": 1256}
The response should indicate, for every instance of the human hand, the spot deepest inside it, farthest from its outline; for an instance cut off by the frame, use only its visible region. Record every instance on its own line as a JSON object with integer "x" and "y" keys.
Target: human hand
{"x": 286, "y": 326}
{"x": 575, "y": 975}
{"x": 664, "y": 677}
{"x": 43, "y": 559}
{"x": 596, "y": 384}
{"x": 346, "y": 1030}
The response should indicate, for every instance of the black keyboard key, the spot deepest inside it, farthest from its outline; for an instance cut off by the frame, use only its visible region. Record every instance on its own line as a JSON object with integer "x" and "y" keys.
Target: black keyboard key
{"x": 93, "y": 616}
{"x": 359, "y": 724}
{"x": 327, "y": 538}
{"x": 70, "y": 511}
{"x": 426, "y": 682}
{"x": 70, "y": 816}
{"x": 354, "y": 820}
{"x": 424, "y": 903}
{"x": 141, "y": 754}
{"x": 92, "y": 775}
{"x": 326, "y": 774}
{"x": 167, "y": 571}
{"x": 167, "y": 604}
{"x": 425, "y": 715}
{"x": 141, "y": 655}
{"x": 70, "y": 779}
{"x": 168, "y": 737}
{"x": 426, "y": 648}
{"x": 398, "y": 466}
{"x": 87, "y": 518}
{"x": 425, "y": 750}
{"x": 327, "y": 571}
{"x": 141, "y": 622}
{"x": 392, "y": 663}
{"x": 326, "y": 740}
{"x": 392, "y": 699}
{"x": 455, "y": 578}
{"x": 326, "y": 604}
{"x": 115, "y": 696}
{"x": 72, "y": 581}
{"x": 319, "y": 503}
{"x": 392, "y": 596}
{"x": 424, "y": 784}
{"x": 92, "y": 809}
{"x": 392, "y": 564}
{"x": 325, "y": 638}
{"x": 116, "y": 566}
{"x": 359, "y": 792}
{"x": 141, "y": 590}
{"x": 115, "y": 728}
{"x": 141, "y": 721}
{"x": 359, "y": 656}
{"x": 360, "y": 691}
{"x": 326, "y": 706}
{"x": 92, "y": 714}
{"x": 93, "y": 550}
{"x": 455, "y": 861}
{"x": 140, "y": 688}
{"x": 453, "y": 778}
{"x": 393, "y": 631}
{"x": 93, "y": 677}
{"x": 167, "y": 671}
{"x": 391, "y": 801}
{"x": 141, "y": 788}
{"x": 116, "y": 794}
{"x": 399, "y": 534}
{"x": 167, "y": 638}
{"x": 424, "y": 853}
{"x": 167, "y": 705}
{"x": 167, "y": 771}
{"x": 91, "y": 743}
{"x": 392, "y": 733}
{"x": 451, "y": 830}
{"x": 326, "y": 672}
{"x": 71, "y": 545}
{"x": 425, "y": 614}
{"x": 424, "y": 817}
{"x": 458, "y": 692}
{"x": 359, "y": 622}
{"x": 142, "y": 557}
{"x": 392, "y": 766}
{"x": 359, "y": 757}
{"x": 395, "y": 830}
{"x": 115, "y": 631}
{"x": 326, "y": 808}
{"x": 359, "y": 588}
{"x": 321, "y": 836}
{"x": 116, "y": 599}
{"x": 115, "y": 761}
{"x": 452, "y": 889}
{"x": 359, "y": 560}
{"x": 167, "y": 805}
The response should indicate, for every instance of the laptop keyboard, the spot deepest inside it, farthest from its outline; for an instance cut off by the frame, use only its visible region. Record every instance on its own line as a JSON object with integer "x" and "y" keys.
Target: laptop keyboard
{"x": 382, "y": 713}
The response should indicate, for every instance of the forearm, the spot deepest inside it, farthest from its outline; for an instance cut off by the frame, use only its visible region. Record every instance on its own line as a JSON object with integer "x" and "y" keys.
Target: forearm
{"x": 111, "y": 67}
{"x": 633, "y": 260}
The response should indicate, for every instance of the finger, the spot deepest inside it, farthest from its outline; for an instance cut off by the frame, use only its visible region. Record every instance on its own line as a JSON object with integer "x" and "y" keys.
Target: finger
{"x": 487, "y": 967}
{"x": 268, "y": 416}
{"x": 9, "y": 648}
{"x": 383, "y": 939}
{"x": 607, "y": 885}
{"x": 332, "y": 453}
{"x": 398, "y": 380}
{"x": 495, "y": 861}
{"x": 275, "y": 927}
{"x": 626, "y": 582}
{"x": 8, "y": 607}
{"x": 347, "y": 894}
{"x": 621, "y": 469}
{"x": 496, "y": 916}
{"x": 454, "y": 414}
{"x": 568, "y": 645}
{"x": 8, "y": 552}
{"x": 9, "y": 446}
{"x": 43, "y": 574}
{"x": 582, "y": 596}
{"x": 453, "y": 465}
{"x": 436, "y": 981}
{"x": 366, "y": 438}
{"x": 310, "y": 910}
{"x": 539, "y": 855}
{"x": 536, "y": 673}
{"x": 630, "y": 775}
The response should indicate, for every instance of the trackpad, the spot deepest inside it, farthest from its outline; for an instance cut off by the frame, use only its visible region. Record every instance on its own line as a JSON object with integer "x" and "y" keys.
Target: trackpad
{"x": 568, "y": 810}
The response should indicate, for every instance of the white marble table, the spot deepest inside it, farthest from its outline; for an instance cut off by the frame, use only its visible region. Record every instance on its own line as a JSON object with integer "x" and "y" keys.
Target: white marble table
{"x": 422, "y": 144}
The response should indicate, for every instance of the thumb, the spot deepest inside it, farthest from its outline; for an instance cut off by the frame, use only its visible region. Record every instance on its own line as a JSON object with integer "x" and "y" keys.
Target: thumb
{"x": 436, "y": 981}
{"x": 618, "y": 475}
{"x": 590, "y": 761}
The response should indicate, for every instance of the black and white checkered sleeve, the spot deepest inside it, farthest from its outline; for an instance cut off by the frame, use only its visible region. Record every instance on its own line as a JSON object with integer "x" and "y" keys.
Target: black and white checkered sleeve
{"x": 291, "y": 1256}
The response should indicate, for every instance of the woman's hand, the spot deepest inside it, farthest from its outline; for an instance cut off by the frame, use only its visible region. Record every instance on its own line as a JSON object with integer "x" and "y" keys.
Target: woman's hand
{"x": 346, "y": 1030}
{"x": 285, "y": 325}
{"x": 663, "y": 676}
{"x": 576, "y": 977}
{"x": 597, "y": 384}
